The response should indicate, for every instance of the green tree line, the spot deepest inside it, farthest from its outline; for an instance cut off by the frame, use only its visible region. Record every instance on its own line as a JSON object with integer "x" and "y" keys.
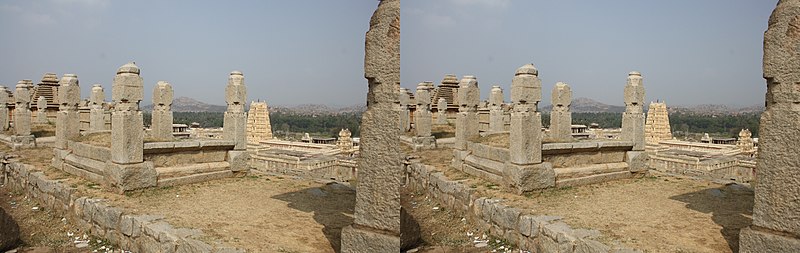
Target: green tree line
{"x": 720, "y": 125}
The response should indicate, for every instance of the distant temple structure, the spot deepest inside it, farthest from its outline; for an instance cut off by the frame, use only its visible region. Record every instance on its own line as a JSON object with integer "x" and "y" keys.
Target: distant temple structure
{"x": 447, "y": 90}
{"x": 656, "y": 127}
{"x": 258, "y": 125}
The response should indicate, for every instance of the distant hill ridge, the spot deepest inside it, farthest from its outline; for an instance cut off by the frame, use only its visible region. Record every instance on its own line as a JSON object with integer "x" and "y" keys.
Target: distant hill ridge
{"x": 186, "y": 104}
{"x": 590, "y": 105}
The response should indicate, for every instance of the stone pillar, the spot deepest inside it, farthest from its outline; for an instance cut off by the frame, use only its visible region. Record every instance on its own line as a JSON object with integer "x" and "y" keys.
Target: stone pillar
{"x": 127, "y": 169}
{"x": 4, "y": 121}
{"x": 467, "y": 117}
{"x": 41, "y": 110}
{"x": 22, "y": 116}
{"x": 97, "y": 121}
{"x": 441, "y": 111}
{"x": 234, "y": 127}
{"x": 560, "y": 116}
{"x": 633, "y": 117}
{"x": 422, "y": 119}
{"x": 161, "y": 124}
{"x": 422, "y": 116}
{"x": 405, "y": 111}
{"x": 376, "y": 227}
{"x": 496, "y": 123}
{"x": 22, "y": 111}
{"x": 67, "y": 118}
{"x": 525, "y": 171}
{"x": 776, "y": 209}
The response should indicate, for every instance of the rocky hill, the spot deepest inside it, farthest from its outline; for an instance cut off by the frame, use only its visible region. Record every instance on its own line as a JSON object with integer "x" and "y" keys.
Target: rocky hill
{"x": 185, "y": 104}
{"x": 588, "y": 105}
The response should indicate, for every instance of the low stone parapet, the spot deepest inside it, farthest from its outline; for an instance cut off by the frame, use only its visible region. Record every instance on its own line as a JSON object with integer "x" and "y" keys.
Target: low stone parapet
{"x": 536, "y": 233}
{"x": 136, "y": 233}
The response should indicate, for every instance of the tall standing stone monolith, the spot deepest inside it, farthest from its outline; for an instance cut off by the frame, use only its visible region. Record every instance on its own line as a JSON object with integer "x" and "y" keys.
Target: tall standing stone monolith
{"x": 234, "y": 126}
{"x": 468, "y": 97}
{"x": 22, "y": 110}
{"x": 4, "y": 120}
{"x": 560, "y": 115}
{"x": 633, "y": 117}
{"x": 441, "y": 114}
{"x": 423, "y": 118}
{"x": 525, "y": 171}
{"x": 97, "y": 121}
{"x": 776, "y": 209}
{"x": 496, "y": 122}
{"x": 405, "y": 110}
{"x": 161, "y": 124}
{"x": 22, "y": 116}
{"x": 41, "y": 113}
{"x": 127, "y": 169}
{"x": 467, "y": 117}
{"x": 376, "y": 227}
{"x": 67, "y": 118}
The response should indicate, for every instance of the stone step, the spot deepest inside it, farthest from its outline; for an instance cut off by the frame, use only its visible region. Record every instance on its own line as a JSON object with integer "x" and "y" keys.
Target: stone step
{"x": 191, "y": 169}
{"x": 195, "y": 178}
{"x": 588, "y": 170}
{"x": 593, "y": 179}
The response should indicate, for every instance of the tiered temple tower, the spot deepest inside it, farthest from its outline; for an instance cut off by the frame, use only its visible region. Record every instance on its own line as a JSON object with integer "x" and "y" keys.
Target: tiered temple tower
{"x": 656, "y": 127}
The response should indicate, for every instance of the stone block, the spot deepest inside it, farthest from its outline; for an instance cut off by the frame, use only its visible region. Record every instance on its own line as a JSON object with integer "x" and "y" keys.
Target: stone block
{"x": 525, "y": 140}
{"x": 188, "y": 245}
{"x": 238, "y": 160}
{"x": 637, "y": 160}
{"x": 505, "y": 216}
{"x": 756, "y": 240}
{"x": 526, "y": 227}
{"x": 423, "y": 143}
{"x": 361, "y": 240}
{"x": 127, "y": 177}
{"x": 127, "y": 87}
{"x": 234, "y": 129}
{"x": 525, "y": 178}
{"x": 591, "y": 246}
{"x": 127, "y": 137}
{"x": 23, "y": 141}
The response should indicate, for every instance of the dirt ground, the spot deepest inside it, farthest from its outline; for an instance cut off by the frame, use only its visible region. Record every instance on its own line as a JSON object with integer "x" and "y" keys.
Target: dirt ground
{"x": 657, "y": 213}
{"x": 443, "y": 232}
{"x": 42, "y": 230}
{"x": 256, "y": 213}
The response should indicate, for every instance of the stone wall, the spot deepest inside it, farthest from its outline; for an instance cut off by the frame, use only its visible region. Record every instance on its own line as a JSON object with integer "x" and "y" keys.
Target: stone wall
{"x": 328, "y": 167}
{"x": 136, "y": 233}
{"x": 529, "y": 232}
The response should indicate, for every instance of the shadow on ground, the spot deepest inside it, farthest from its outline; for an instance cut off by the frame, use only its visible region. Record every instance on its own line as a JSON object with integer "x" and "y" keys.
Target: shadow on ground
{"x": 333, "y": 208}
{"x": 731, "y": 207}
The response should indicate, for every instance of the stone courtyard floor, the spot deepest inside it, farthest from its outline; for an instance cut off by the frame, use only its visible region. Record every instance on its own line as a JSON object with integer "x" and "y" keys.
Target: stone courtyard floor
{"x": 656, "y": 213}
{"x": 257, "y": 213}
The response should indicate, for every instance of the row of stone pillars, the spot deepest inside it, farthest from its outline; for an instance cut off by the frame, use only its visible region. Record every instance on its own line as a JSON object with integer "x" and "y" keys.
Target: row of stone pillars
{"x": 127, "y": 169}
{"x": 525, "y": 170}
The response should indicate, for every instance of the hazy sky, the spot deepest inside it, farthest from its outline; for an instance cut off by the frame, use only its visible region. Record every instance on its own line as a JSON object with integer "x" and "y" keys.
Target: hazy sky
{"x": 291, "y": 52}
{"x": 688, "y": 51}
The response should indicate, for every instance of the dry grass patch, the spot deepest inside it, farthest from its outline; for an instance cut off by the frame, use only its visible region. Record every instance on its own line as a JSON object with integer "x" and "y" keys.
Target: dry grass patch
{"x": 101, "y": 139}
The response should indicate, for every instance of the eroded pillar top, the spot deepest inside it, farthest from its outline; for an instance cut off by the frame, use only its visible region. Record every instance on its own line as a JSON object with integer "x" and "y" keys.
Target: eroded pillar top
{"x": 562, "y": 95}
{"x": 526, "y": 88}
